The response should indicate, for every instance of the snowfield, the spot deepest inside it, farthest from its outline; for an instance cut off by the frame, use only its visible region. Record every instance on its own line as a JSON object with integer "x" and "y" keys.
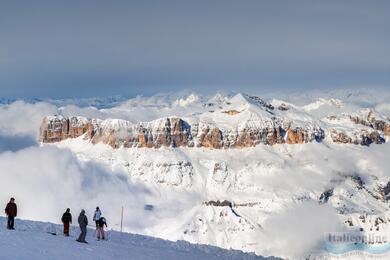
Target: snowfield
{"x": 273, "y": 200}
{"x": 37, "y": 240}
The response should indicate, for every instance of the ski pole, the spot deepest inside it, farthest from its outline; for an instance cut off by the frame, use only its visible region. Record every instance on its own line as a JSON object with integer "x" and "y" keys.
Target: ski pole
{"x": 121, "y": 219}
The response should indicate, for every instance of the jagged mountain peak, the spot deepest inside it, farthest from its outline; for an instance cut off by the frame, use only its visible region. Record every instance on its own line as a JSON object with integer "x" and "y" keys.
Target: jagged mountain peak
{"x": 240, "y": 103}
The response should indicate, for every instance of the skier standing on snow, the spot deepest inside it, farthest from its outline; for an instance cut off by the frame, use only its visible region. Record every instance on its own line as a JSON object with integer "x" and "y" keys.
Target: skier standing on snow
{"x": 101, "y": 223}
{"x": 96, "y": 217}
{"x": 11, "y": 210}
{"x": 67, "y": 220}
{"x": 83, "y": 222}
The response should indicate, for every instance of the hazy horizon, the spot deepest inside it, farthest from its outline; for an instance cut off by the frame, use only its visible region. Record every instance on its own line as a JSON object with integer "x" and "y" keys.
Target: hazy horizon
{"x": 53, "y": 49}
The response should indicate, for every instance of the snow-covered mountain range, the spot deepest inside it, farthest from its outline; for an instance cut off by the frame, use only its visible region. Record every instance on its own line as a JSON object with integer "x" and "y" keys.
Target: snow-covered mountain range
{"x": 236, "y": 122}
{"x": 248, "y": 172}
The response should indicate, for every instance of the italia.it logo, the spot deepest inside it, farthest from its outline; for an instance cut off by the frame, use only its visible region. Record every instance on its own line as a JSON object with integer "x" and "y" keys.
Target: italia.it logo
{"x": 344, "y": 242}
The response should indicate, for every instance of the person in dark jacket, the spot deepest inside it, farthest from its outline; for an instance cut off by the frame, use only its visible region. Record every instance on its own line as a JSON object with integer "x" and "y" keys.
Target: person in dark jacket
{"x": 83, "y": 222}
{"x": 12, "y": 211}
{"x": 66, "y": 220}
{"x": 101, "y": 222}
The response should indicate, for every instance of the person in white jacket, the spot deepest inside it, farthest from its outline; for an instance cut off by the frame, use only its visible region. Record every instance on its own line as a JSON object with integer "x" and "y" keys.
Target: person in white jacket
{"x": 96, "y": 216}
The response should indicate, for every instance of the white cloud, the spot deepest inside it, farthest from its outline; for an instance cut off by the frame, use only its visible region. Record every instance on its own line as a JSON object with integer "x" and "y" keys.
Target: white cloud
{"x": 47, "y": 180}
{"x": 24, "y": 118}
{"x": 300, "y": 229}
{"x": 384, "y": 108}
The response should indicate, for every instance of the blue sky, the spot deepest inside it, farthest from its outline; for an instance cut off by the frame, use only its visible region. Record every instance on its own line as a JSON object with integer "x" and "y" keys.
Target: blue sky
{"x": 99, "y": 48}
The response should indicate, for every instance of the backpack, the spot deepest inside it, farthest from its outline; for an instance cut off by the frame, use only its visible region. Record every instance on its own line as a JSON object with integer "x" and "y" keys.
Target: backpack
{"x": 102, "y": 222}
{"x": 66, "y": 217}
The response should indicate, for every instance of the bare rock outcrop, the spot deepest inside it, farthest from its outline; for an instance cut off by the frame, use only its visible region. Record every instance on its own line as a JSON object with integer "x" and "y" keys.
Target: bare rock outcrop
{"x": 231, "y": 112}
{"x": 211, "y": 138}
{"x": 361, "y": 137}
{"x": 283, "y": 107}
{"x": 340, "y": 137}
{"x": 324, "y": 197}
{"x": 218, "y": 203}
{"x": 295, "y": 136}
{"x": 384, "y": 191}
{"x": 372, "y": 122}
{"x": 369, "y": 129}
{"x": 57, "y": 128}
{"x": 173, "y": 132}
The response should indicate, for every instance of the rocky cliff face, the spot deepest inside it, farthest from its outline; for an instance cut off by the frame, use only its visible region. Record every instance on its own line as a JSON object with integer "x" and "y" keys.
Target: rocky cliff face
{"x": 359, "y": 137}
{"x": 371, "y": 121}
{"x": 172, "y": 132}
{"x": 57, "y": 128}
{"x": 239, "y": 122}
{"x": 374, "y": 130}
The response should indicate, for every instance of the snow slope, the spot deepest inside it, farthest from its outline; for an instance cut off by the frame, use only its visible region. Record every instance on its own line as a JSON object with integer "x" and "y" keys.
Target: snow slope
{"x": 35, "y": 240}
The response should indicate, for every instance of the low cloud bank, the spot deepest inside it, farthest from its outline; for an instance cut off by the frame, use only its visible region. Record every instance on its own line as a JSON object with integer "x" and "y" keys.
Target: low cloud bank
{"x": 21, "y": 118}
{"x": 300, "y": 229}
{"x": 47, "y": 180}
